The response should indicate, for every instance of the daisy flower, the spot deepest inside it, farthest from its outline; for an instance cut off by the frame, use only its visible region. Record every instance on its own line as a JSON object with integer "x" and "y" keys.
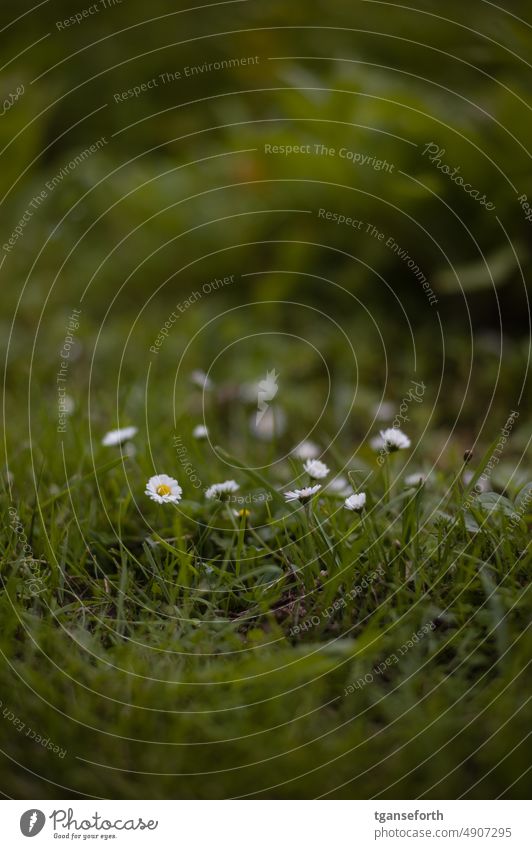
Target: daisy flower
{"x": 415, "y": 479}
{"x": 377, "y": 443}
{"x": 394, "y": 439}
{"x": 271, "y": 424}
{"x": 200, "y": 432}
{"x": 163, "y": 489}
{"x": 482, "y": 485}
{"x": 117, "y": 437}
{"x": 218, "y": 490}
{"x": 200, "y": 379}
{"x": 302, "y": 495}
{"x": 248, "y": 392}
{"x": 316, "y": 469}
{"x": 356, "y": 502}
{"x": 306, "y": 450}
{"x": 67, "y": 404}
{"x": 384, "y": 410}
{"x": 339, "y": 486}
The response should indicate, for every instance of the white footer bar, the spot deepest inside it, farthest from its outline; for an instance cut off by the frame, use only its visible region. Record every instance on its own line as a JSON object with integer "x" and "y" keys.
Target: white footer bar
{"x": 267, "y": 824}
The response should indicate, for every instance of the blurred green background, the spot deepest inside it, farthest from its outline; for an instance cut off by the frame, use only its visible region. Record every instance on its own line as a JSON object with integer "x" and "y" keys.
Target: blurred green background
{"x": 171, "y": 201}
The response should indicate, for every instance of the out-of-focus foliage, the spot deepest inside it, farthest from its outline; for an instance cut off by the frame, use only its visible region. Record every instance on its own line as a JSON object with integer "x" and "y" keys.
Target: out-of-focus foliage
{"x": 378, "y": 80}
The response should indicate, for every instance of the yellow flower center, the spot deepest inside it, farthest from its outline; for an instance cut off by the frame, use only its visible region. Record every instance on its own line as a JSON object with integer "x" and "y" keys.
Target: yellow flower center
{"x": 163, "y": 489}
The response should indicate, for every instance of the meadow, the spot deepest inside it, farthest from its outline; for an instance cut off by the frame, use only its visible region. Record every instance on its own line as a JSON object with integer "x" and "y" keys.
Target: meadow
{"x": 264, "y": 281}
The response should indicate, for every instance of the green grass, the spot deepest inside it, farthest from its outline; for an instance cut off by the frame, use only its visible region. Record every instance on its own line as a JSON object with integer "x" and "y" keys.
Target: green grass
{"x": 191, "y": 653}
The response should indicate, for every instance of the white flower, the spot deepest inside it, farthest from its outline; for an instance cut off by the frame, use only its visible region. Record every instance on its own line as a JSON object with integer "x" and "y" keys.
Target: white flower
{"x": 199, "y": 378}
{"x": 271, "y": 424}
{"x": 117, "y": 437}
{"x": 356, "y": 502}
{"x": 67, "y": 404}
{"x": 482, "y": 485}
{"x": 316, "y": 469}
{"x": 339, "y": 486}
{"x": 200, "y": 432}
{"x": 415, "y": 479}
{"x": 218, "y": 490}
{"x": 163, "y": 489}
{"x": 248, "y": 392}
{"x": 306, "y": 450}
{"x": 302, "y": 494}
{"x": 243, "y": 513}
{"x": 377, "y": 443}
{"x": 384, "y": 410}
{"x": 394, "y": 439}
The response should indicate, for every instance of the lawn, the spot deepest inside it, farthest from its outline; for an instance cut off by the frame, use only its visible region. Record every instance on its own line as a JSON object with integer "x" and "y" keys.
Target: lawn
{"x": 249, "y": 645}
{"x": 265, "y": 273}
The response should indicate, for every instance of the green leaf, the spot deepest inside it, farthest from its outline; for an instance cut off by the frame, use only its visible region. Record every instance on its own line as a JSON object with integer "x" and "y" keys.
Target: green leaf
{"x": 523, "y": 500}
{"x": 492, "y": 502}
{"x": 471, "y": 523}
{"x": 478, "y": 275}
